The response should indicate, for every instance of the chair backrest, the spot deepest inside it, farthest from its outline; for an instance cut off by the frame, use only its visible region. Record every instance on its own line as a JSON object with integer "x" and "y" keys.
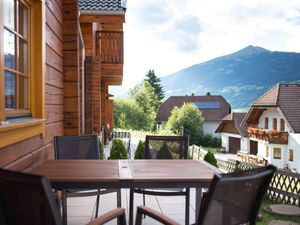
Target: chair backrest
{"x": 77, "y": 147}
{"x": 26, "y": 199}
{"x": 166, "y": 147}
{"x": 235, "y": 198}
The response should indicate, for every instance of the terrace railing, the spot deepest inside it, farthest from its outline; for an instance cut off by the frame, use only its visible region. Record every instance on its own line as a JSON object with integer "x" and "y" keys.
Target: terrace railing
{"x": 110, "y": 46}
{"x": 284, "y": 187}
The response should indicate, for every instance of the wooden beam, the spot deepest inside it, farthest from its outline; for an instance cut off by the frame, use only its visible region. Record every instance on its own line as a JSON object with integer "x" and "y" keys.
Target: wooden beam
{"x": 112, "y": 19}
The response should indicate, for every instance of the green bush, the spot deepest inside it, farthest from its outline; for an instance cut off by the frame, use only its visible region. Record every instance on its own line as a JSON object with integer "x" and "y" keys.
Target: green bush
{"x": 140, "y": 151}
{"x": 118, "y": 150}
{"x": 211, "y": 159}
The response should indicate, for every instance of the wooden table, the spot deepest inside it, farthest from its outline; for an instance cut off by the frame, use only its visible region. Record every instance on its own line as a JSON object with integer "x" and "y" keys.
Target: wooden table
{"x": 73, "y": 174}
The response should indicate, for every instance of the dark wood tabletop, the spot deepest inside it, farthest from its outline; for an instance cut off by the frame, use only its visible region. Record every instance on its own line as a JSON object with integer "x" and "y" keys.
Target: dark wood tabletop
{"x": 125, "y": 173}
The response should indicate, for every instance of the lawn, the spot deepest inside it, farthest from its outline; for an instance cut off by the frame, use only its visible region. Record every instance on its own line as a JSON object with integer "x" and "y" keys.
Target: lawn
{"x": 267, "y": 217}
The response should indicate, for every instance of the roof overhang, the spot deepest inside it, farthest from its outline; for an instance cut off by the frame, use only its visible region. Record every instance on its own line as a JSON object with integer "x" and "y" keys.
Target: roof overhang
{"x": 102, "y": 13}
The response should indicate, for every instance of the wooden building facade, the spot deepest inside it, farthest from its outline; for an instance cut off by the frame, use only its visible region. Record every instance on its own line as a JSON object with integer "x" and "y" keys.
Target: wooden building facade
{"x": 57, "y": 60}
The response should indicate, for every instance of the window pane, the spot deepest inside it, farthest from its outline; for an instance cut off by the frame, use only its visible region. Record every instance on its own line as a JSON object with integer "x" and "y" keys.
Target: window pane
{"x": 23, "y": 92}
{"x": 277, "y": 153}
{"x": 10, "y": 90}
{"x": 9, "y": 13}
{"x": 9, "y": 50}
{"x": 23, "y": 20}
{"x": 23, "y": 55}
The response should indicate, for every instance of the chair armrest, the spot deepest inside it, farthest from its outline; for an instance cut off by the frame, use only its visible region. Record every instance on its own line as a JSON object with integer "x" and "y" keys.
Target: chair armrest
{"x": 119, "y": 212}
{"x": 155, "y": 215}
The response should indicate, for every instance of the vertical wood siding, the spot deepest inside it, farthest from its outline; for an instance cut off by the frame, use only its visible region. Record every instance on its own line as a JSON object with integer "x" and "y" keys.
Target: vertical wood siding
{"x": 24, "y": 154}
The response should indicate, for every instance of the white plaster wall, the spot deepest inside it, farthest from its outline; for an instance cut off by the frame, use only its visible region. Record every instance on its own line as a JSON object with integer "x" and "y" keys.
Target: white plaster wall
{"x": 272, "y": 113}
{"x": 225, "y": 141}
{"x": 245, "y": 142}
{"x": 294, "y": 143}
{"x": 279, "y": 163}
{"x": 210, "y": 128}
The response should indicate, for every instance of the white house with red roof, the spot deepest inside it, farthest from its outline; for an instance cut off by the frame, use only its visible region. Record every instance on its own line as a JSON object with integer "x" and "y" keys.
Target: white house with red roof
{"x": 273, "y": 123}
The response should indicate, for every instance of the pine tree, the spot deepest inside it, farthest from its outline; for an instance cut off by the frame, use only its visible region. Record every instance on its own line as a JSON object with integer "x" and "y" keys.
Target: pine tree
{"x": 154, "y": 81}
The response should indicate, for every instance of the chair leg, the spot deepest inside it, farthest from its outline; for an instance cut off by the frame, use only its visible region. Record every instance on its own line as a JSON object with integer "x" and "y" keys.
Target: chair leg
{"x": 119, "y": 198}
{"x": 122, "y": 219}
{"x": 187, "y": 206}
{"x": 64, "y": 207}
{"x": 138, "y": 220}
{"x": 97, "y": 203}
{"x": 144, "y": 203}
{"x": 131, "y": 202}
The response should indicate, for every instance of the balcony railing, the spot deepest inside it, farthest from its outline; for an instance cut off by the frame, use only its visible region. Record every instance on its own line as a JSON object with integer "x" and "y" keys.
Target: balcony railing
{"x": 110, "y": 46}
{"x": 271, "y": 136}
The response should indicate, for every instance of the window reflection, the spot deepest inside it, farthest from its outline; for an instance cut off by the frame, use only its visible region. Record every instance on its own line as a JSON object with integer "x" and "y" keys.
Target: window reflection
{"x": 23, "y": 52}
{"x": 9, "y": 13}
{"x": 23, "y": 20}
{"x": 9, "y": 49}
{"x": 10, "y": 90}
{"x": 23, "y": 92}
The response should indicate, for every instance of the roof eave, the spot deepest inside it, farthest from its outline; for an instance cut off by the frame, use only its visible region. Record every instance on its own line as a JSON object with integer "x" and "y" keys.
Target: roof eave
{"x": 102, "y": 12}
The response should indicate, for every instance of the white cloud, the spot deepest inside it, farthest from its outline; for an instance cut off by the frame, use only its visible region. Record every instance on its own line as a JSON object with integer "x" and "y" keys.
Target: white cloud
{"x": 169, "y": 35}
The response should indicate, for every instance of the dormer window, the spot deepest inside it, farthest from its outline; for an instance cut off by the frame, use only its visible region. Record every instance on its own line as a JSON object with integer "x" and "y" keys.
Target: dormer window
{"x": 282, "y": 125}
{"x": 274, "y": 124}
{"x": 266, "y": 123}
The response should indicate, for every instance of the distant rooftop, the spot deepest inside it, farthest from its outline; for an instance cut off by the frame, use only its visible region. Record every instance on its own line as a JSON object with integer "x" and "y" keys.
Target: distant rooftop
{"x": 213, "y": 107}
{"x": 103, "y": 5}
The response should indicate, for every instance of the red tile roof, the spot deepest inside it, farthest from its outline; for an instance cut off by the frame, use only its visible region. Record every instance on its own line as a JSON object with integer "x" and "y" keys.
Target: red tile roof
{"x": 209, "y": 114}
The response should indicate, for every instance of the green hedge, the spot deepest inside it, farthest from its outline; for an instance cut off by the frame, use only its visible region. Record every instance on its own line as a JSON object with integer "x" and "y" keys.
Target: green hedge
{"x": 118, "y": 150}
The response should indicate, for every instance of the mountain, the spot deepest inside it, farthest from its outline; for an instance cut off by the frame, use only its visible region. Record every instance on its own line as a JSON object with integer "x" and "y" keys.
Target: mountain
{"x": 240, "y": 77}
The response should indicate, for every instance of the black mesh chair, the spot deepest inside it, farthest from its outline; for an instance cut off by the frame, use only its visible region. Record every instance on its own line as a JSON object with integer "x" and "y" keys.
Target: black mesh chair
{"x": 233, "y": 198}
{"x": 80, "y": 147}
{"x": 27, "y": 199}
{"x": 164, "y": 147}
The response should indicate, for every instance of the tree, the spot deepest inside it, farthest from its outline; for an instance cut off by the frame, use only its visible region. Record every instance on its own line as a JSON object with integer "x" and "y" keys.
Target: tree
{"x": 211, "y": 159}
{"x": 140, "y": 151}
{"x": 208, "y": 94}
{"x": 118, "y": 150}
{"x": 154, "y": 81}
{"x": 190, "y": 118}
{"x": 129, "y": 115}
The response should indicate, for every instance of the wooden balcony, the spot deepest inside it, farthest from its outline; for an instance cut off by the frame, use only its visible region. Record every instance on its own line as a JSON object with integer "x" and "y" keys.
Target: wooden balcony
{"x": 279, "y": 138}
{"x": 110, "y": 48}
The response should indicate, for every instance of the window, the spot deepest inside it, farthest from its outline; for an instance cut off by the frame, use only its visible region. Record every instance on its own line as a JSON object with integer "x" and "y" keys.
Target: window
{"x": 277, "y": 153}
{"x": 274, "y": 124}
{"x": 266, "y": 123}
{"x": 291, "y": 155}
{"x": 21, "y": 70}
{"x": 267, "y": 151}
{"x": 16, "y": 70}
{"x": 282, "y": 125}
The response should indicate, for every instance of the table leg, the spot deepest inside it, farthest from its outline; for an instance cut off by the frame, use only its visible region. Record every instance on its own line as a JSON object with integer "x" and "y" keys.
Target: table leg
{"x": 64, "y": 207}
{"x": 198, "y": 202}
{"x": 131, "y": 202}
{"x": 187, "y": 207}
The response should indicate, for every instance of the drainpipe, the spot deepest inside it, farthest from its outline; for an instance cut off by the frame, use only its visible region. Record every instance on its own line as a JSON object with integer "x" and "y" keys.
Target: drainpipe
{"x": 82, "y": 75}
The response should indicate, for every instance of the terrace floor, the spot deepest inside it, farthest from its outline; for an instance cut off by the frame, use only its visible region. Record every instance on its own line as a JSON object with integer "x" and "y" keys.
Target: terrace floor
{"x": 80, "y": 209}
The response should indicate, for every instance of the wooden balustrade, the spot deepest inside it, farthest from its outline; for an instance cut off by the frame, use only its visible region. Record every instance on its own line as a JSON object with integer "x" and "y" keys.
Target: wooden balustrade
{"x": 279, "y": 138}
{"x": 110, "y": 47}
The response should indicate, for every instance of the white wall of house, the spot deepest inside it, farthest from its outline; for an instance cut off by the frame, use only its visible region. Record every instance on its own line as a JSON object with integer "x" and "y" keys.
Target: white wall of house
{"x": 272, "y": 113}
{"x": 294, "y": 145}
{"x": 245, "y": 142}
{"x": 209, "y": 127}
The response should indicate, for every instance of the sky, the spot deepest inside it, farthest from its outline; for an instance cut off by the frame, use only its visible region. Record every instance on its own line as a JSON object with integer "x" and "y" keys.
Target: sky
{"x": 170, "y": 35}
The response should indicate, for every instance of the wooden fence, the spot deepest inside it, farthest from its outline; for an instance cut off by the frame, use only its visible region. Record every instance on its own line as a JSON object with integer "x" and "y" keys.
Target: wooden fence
{"x": 284, "y": 186}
